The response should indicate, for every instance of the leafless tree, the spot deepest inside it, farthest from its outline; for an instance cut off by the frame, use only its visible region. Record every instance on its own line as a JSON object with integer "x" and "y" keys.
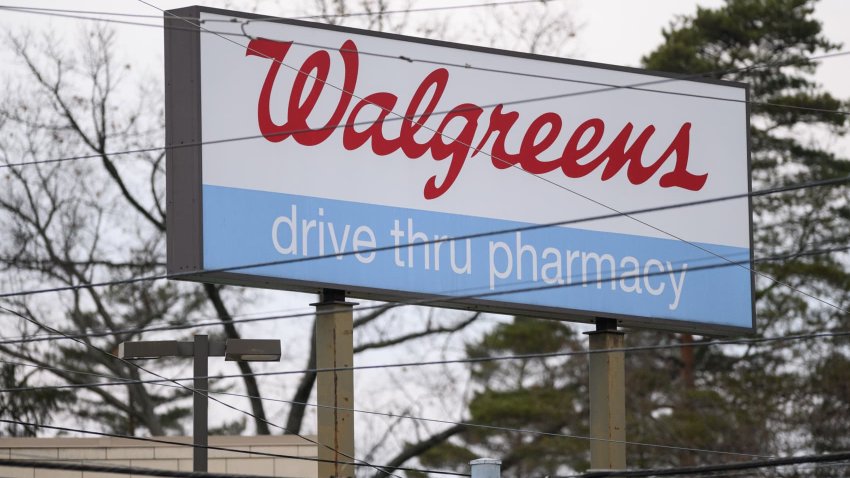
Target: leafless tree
{"x": 102, "y": 218}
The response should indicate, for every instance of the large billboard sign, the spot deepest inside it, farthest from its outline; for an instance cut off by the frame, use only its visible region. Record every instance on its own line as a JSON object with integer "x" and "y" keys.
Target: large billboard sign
{"x": 308, "y": 156}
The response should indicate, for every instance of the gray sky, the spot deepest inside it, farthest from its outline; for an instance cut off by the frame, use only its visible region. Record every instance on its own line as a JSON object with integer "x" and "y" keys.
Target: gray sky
{"x": 612, "y": 31}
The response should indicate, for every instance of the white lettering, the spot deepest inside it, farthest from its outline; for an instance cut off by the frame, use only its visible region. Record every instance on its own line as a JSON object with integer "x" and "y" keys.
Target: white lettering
{"x": 677, "y": 285}
{"x": 509, "y": 262}
{"x": 293, "y": 241}
{"x": 647, "y": 275}
{"x": 359, "y": 243}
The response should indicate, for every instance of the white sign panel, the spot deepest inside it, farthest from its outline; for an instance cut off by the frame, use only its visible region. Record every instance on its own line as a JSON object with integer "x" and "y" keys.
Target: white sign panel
{"x": 394, "y": 167}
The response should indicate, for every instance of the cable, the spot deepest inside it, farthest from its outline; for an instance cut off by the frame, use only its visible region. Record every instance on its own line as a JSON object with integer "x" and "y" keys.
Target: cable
{"x": 212, "y": 447}
{"x": 472, "y": 360}
{"x": 393, "y": 365}
{"x": 193, "y": 391}
{"x": 512, "y": 166}
{"x": 73, "y": 13}
{"x": 387, "y": 306}
{"x": 411, "y": 417}
{"x": 622, "y": 214}
{"x": 756, "y": 193}
{"x": 516, "y": 166}
{"x": 122, "y": 470}
{"x": 574, "y": 192}
{"x": 787, "y": 188}
{"x": 636, "y": 86}
{"x": 262, "y": 316}
{"x": 699, "y": 470}
{"x": 484, "y": 359}
{"x": 260, "y": 136}
{"x": 496, "y": 428}
{"x": 608, "y": 86}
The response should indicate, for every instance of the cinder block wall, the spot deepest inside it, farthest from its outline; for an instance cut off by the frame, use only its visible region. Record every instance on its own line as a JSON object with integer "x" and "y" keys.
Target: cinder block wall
{"x": 135, "y": 453}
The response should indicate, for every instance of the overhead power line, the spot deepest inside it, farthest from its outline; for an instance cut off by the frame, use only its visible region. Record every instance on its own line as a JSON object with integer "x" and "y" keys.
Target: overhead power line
{"x": 705, "y": 469}
{"x": 279, "y": 314}
{"x": 74, "y": 13}
{"x": 395, "y": 415}
{"x": 102, "y": 333}
{"x": 607, "y": 87}
{"x": 212, "y": 447}
{"x": 621, "y": 214}
{"x": 468, "y": 360}
{"x": 781, "y": 189}
{"x": 541, "y": 177}
{"x": 625, "y": 214}
{"x": 467, "y": 66}
{"x": 120, "y": 470}
{"x": 193, "y": 391}
{"x": 574, "y": 192}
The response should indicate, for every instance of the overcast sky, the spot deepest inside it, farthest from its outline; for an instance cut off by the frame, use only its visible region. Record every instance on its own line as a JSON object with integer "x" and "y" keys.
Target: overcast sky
{"x": 611, "y": 31}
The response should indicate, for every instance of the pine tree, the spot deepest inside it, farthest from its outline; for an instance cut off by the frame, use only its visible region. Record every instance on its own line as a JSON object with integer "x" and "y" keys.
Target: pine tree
{"x": 768, "y": 399}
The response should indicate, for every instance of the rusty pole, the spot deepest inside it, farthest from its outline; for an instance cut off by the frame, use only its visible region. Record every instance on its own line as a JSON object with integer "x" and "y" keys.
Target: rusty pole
{"x": 335, "y": 390}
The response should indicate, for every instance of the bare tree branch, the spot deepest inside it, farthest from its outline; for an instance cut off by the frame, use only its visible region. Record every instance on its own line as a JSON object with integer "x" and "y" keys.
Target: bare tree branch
{"x": 417, "y": 335}
{"x": 414, "y": 450}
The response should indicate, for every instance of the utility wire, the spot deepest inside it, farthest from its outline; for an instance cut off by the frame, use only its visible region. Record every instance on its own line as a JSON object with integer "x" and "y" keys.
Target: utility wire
{"x": 787, "y": 188}
{"x": 121, "y": 470}
{"x": 136, "y": 330}
{"x": 570, "y": 283}
{"x": 469, "y": 360}
{"x": 757, "y": 193}
{"x": 701, "y": 470}
{"x": 212, "y": 447}
{"x": 279, "y": 314}
{"x": 607, "y": 88}
{"x": 586, "y": 197}
{"x": 480, "y": 359}
{"x": 402, "y": 416}
{"x": 319, "y": 16}
{"x": 225, "y": 404}
{"x": 516, "y": 166}
{"x": 620, "y": 214}
{"x": 355, "y": 123}
{"x": 467, "y": 66}
{"x": 615, "y": 210}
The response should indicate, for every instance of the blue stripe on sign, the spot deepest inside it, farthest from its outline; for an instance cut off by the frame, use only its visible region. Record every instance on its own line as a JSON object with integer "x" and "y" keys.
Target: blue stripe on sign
{"x": 246, "y": 227}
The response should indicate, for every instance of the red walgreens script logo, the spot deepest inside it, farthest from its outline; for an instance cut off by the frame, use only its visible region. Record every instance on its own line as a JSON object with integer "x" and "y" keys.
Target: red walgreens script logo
{"x": 618, "y": 154}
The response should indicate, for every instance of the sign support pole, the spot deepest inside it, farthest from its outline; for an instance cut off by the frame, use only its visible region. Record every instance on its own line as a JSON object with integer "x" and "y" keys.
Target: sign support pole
{"x": 335, "y": 389}
{"x": 200, "y": 433}
{"x": 607, "y": 398}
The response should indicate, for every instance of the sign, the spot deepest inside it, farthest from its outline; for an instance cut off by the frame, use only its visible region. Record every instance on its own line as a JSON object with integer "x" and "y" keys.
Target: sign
{"x": 311, "y": 156}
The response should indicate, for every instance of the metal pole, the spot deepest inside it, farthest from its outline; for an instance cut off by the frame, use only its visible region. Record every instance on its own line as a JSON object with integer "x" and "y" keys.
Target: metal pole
{"x": 607, "y": 398}
{"x": 485, "y": 468}
{"x": 335, "y": 390}
{"x": 201, "y": 351}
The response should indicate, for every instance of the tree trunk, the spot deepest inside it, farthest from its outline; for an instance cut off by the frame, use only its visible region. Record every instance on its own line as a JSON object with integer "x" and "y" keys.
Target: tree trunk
{"x": 302, "y": 394}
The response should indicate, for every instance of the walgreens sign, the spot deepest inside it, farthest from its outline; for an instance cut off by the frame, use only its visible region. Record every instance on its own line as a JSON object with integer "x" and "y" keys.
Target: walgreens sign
{"x": 397, "y": 168}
